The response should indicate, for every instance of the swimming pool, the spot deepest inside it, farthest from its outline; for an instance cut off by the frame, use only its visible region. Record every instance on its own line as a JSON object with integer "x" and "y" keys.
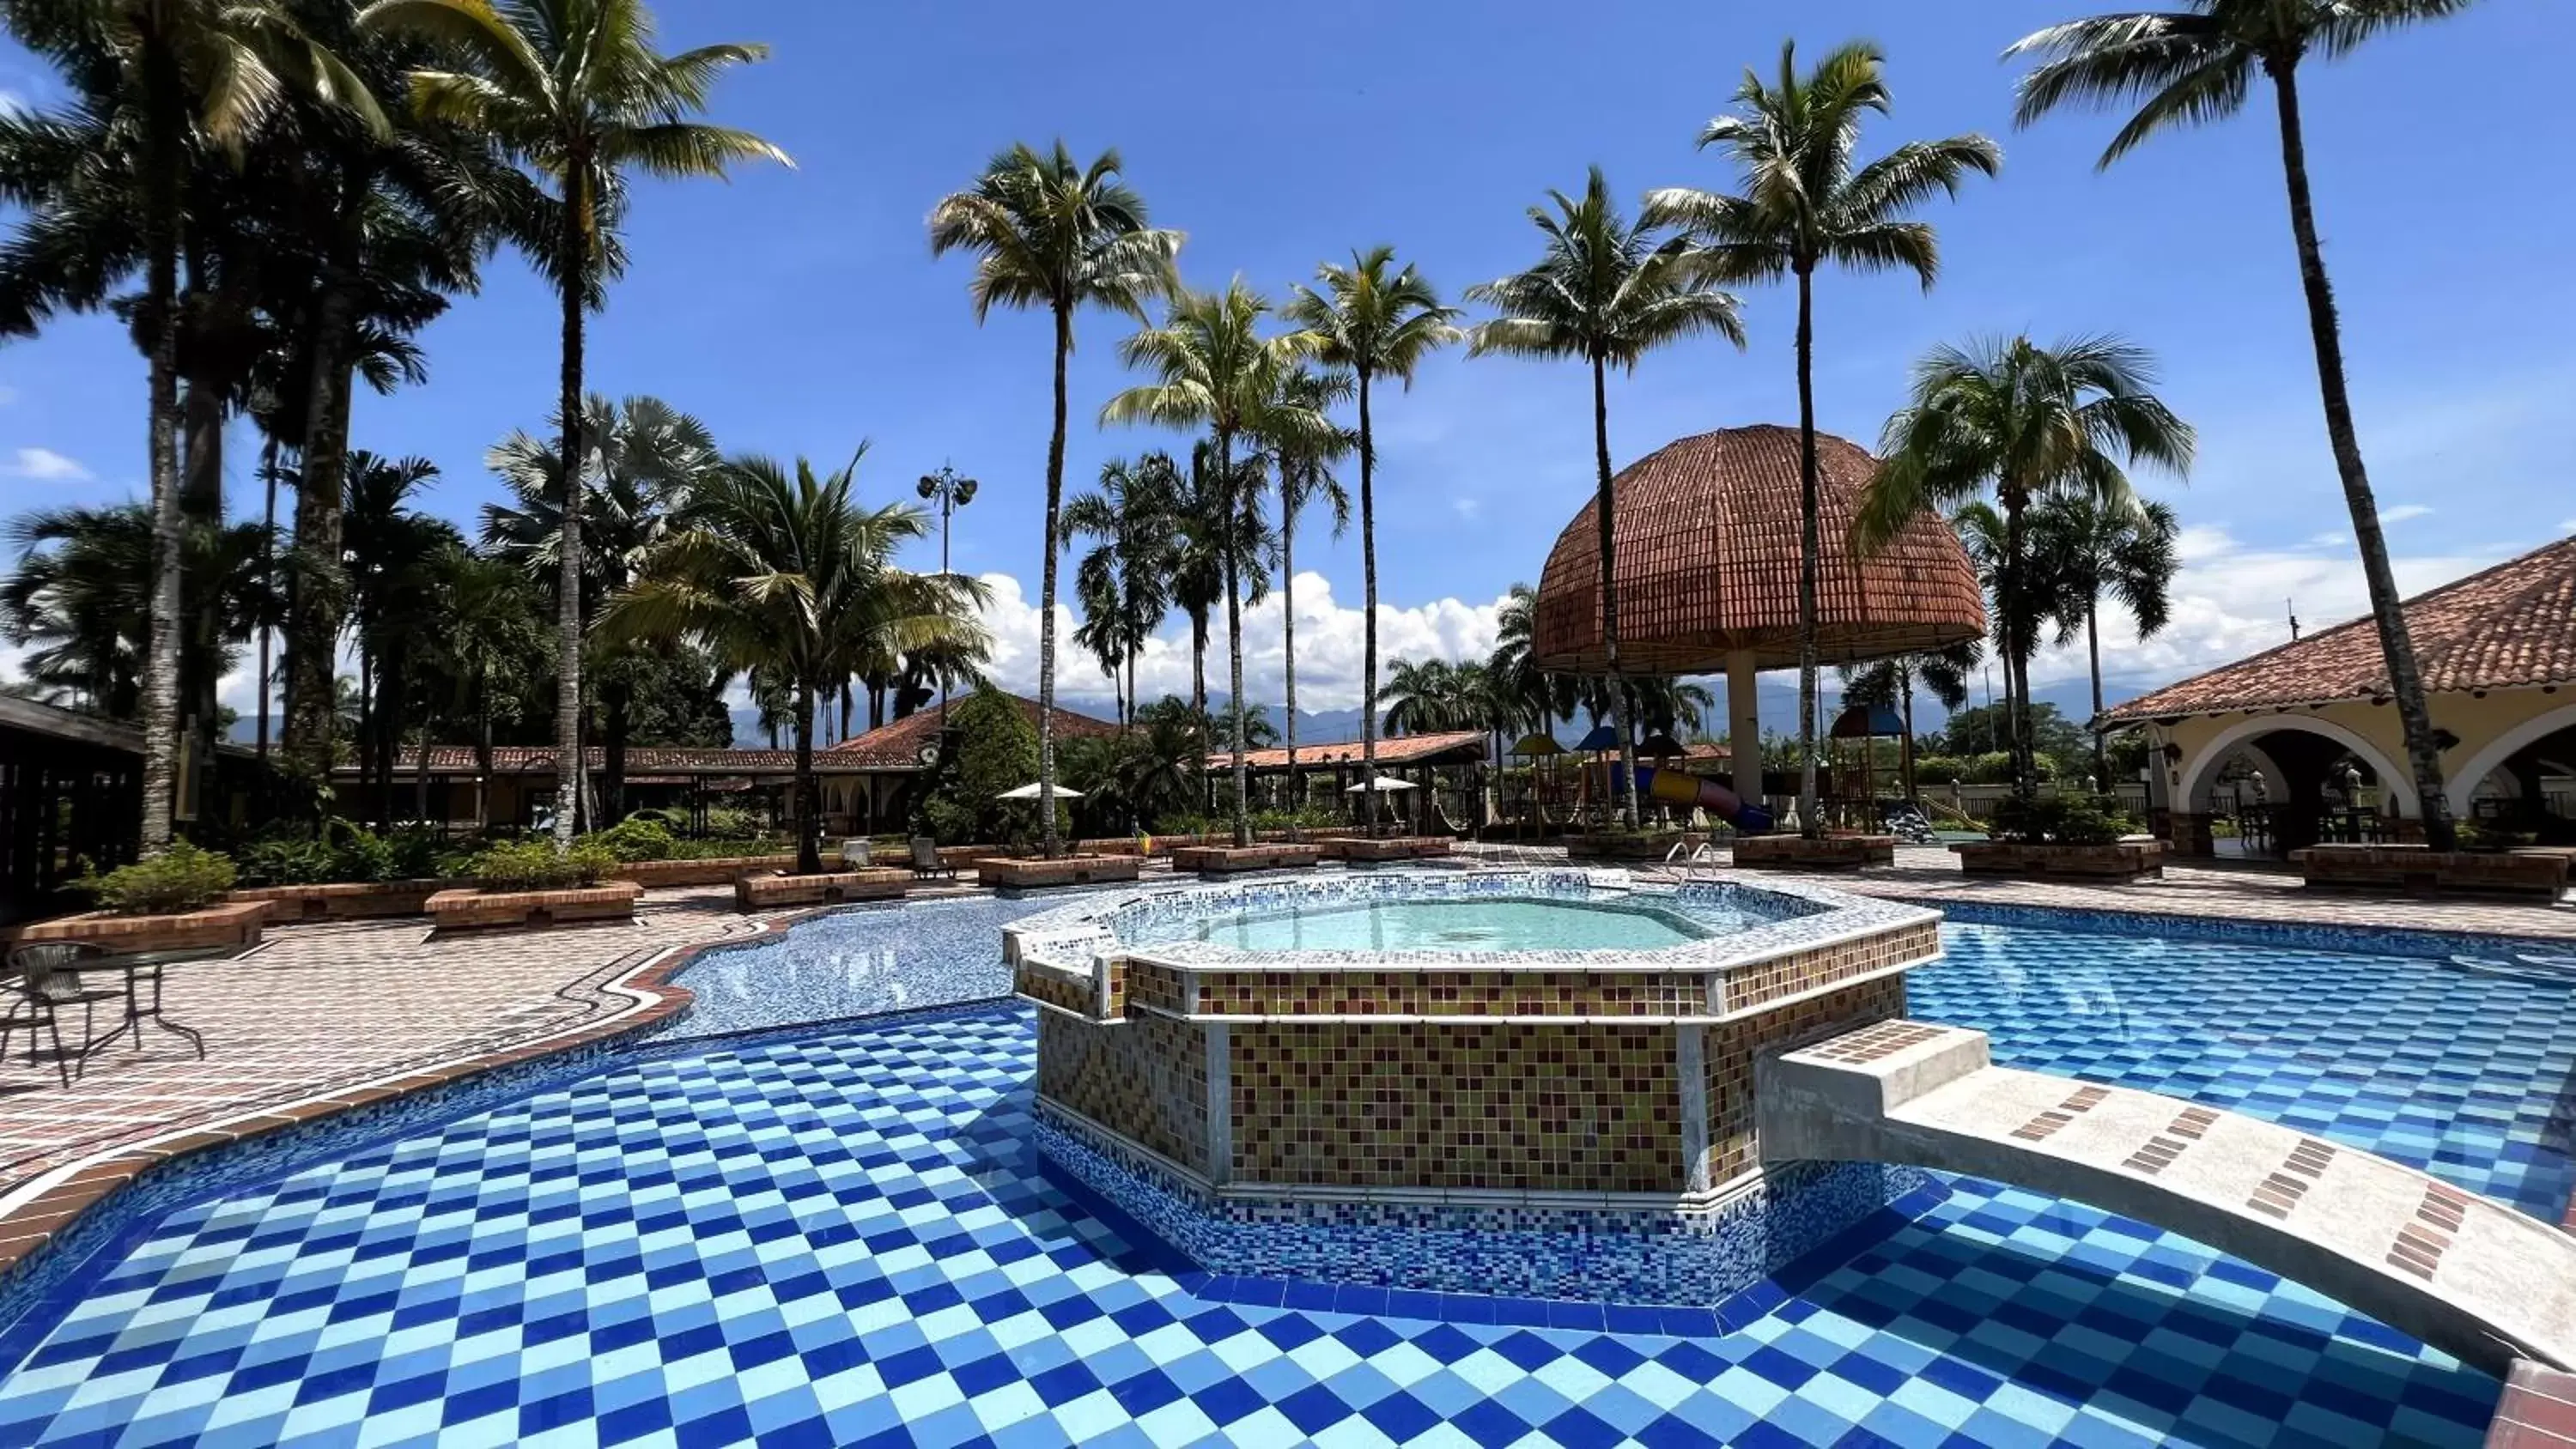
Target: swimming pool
{"x": 1506, "y": 923}
{"x": 826, "y": 1236}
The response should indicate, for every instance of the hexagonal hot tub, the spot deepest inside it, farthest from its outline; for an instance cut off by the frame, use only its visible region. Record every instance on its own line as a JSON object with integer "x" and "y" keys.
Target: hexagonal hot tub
{"x": 1436, "y": 1078}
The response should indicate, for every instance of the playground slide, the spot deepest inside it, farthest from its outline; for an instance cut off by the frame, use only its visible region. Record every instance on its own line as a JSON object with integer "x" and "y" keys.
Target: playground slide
{"x": 1673, "y": 787}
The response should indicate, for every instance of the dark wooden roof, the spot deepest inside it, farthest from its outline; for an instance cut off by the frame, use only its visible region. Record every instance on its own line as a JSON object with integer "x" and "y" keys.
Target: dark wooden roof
{"x": 1707, "y": 552}
{"x": 897, "y": 746}
{"x": 2511, "y": 627}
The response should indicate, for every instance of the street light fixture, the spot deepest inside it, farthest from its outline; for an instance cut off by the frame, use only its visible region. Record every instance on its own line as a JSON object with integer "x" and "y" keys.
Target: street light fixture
{"x": 951, "y": 492}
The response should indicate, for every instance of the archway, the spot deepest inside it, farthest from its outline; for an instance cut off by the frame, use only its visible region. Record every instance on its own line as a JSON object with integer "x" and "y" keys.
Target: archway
{"x": 2519, "y": 762}
{"x": 2305, "y": 757}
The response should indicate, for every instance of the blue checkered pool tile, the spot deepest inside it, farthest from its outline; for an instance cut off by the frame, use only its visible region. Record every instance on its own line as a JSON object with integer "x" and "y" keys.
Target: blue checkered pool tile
{"x": 2462, "y": 1069}
{"x": 846, "y": 1240}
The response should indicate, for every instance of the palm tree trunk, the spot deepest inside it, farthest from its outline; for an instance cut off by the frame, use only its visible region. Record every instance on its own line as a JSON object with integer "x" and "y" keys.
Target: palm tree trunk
{"x": 1198, "y": 670}
{"x": 1606, "y": 514}
{"x": 809, "y": 851}
{"x": 1234, "y": 636}
{"x": 482, "y": 752}
{"x": 1810, "y": 823}
{"x": 161, "y": 284}
{"x": 572, "y": 265}
{"x": 2018, "y": 648}
{"x": 2093, "y": 647}
{"x": 316, "y": 576}
{"x": 618, "y": 698}
{"x": 201, "y": 505}
{"x": 2387, "y": 608}
{"x": 1047, "y": 843}
{"x": 1912, "y": 797}
{"x": 1368, "y": 621}
{"x": 1288, "y": 632}
{"x": 267, "y": 583}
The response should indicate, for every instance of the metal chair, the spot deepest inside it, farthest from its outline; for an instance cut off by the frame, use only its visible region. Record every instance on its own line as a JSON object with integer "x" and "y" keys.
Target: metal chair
{"x": 926, "y": 863}
{"x": 42, "y": 988}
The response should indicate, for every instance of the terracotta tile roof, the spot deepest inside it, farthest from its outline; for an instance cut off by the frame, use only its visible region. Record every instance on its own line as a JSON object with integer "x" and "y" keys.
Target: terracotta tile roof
{"x": 898, "y": 745}
{"x": 1708, "y": 563}
{"x": 2511, "y": 627}
{"x": 1391, "y": 750}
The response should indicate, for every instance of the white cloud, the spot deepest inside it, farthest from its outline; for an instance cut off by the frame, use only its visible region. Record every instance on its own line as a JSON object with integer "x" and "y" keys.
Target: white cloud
{"x": 1468, "y": 508}
{"x": 2231, "y": 600}
{"x": 2567, "y": 525}
{"x": 46, "y": 465}
{"x": 1329, "y": 644}
{"x": 2404, "y": 511}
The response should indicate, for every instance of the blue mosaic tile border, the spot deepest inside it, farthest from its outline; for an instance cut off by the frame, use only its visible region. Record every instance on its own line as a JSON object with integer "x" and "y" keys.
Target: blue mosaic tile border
{"x": 1789, "y": 916}
{"x": 1594, "y": 1256}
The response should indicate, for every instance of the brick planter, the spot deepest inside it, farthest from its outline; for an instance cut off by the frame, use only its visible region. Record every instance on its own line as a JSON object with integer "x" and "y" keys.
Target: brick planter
{"x": 719, "y": 870}
{"x": 1796, "y": 852}
{"x": 1361, "y": 849}
{"x": 767, "y": 892}
{"x": 344, "y": 900}
{"x": 610, "y": 900}
{"x": 1008, "y": 873}
{"x": 1623, "y": 845}
{"x": 229, "y": 924}
{"x": 1228, "y": 859}
{"x": 2124, "y": 860}
{"x": 2539, "y": 874}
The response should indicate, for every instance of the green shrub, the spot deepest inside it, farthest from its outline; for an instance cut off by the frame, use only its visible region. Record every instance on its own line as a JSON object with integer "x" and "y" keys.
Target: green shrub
{"x": 732, "y": 822}
{"x": 995, "y": 748}
{"x": 635, "y": 838}
{"x": 182, "y": 878}
{"x": 2062, "y": 820}
{"x": 285, "y": 860}
{"x": 714, "y": 849}
{"x": 532, "y": 865}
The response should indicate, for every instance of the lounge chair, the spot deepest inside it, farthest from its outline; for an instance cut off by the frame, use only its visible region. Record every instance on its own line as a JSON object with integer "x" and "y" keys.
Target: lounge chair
{"x": 855, "y": 853}
{"x": 926, "y": 864}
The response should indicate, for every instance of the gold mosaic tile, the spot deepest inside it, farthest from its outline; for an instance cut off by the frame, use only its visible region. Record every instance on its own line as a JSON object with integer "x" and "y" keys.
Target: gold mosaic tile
{"x": 1145, "y": 1079}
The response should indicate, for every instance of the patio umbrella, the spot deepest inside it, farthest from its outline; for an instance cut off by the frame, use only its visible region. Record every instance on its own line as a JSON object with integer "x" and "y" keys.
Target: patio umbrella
{"x": 1660, "y": 746}
{"x": 1537, "y": 745}
{"x": 1030, "y": 792}
{"x": 1384, "y": 784}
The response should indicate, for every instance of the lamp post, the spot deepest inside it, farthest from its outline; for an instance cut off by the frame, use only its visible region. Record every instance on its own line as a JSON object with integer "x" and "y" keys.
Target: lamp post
{"x": 951, "y": 493}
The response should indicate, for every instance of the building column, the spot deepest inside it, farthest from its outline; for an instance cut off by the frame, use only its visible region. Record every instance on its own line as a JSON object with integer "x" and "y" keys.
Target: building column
{"x": 1744, "y": 726}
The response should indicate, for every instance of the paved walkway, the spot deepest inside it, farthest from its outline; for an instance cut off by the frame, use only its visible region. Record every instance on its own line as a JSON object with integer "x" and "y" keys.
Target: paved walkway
{"x": 2465, "y": 1275}
{"x": 325, "y": 1005}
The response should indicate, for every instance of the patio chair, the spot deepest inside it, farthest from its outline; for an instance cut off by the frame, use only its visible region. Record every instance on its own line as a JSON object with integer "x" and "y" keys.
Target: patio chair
{"x": 926, "y": 864}
{"x": 855, "y": 853}
{"x": 39, "y": 990}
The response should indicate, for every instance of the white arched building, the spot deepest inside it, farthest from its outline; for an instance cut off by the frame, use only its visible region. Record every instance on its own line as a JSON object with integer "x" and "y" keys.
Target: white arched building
{"x": 2498, "y": 654}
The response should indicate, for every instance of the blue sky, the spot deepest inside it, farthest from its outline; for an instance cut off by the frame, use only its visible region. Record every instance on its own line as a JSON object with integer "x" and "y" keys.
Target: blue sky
{"x": 800, "y": 311}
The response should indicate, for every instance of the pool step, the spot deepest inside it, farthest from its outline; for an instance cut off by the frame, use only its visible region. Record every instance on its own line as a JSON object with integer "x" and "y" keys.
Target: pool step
{"x": 2468, "y": 1276}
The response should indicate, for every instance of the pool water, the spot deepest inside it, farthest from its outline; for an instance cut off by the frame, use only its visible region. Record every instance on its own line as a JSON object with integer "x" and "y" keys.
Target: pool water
{"x": 1491, "y": 923}
{"x": 843, "y": 1237}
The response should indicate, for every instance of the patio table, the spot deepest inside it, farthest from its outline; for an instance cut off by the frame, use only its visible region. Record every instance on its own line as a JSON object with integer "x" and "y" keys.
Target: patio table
{"x": 140, "y": 968}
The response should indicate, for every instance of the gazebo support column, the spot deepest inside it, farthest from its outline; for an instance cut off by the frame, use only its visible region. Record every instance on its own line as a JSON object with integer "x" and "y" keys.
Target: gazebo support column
{"x": 1744, "y": 724}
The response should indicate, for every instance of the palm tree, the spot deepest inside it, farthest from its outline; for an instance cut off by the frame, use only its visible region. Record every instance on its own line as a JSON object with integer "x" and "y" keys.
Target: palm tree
{"x": 1303, "y": 459}
{"x": 185, "y": 73}
{"x": 487, "y": 640}
{"x": 1047, "y": 232}
{"x": 576, "y": 89}
{"x": 80, "y": 602}
{"x": 1535, "y": 697}
{"x": 1149, "y": 772}
{"x": 1214, "y": 369}
{"x": 645, "y": 461}
{"x": 2194, "y": 66}
{"x": 2026, "y": 421}
{"x": 2092, "y": 550}
{"x": 1376, "y": 323}
{"x": 390, "y": 554}
{"x": 1424, "y": 698}
{"x": 1209, "y": 525}
{"x": 1608, "y": 293}
{"x": 1125, "y": 581}
{"x": 1806, "y": 204}
{"x": 1894, "y": 681}
{"x": 788, "y": 574}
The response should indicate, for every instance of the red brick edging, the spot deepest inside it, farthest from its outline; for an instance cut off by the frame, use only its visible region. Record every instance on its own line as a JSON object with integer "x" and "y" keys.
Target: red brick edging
{"x": 2538, "y": 1410}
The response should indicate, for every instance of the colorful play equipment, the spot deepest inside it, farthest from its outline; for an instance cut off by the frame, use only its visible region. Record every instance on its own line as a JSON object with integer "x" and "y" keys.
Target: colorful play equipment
{"x": 1687, "y": 791}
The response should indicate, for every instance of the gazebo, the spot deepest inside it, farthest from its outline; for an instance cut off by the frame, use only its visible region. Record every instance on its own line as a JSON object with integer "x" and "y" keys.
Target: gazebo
{"x": 1707, "y": 554}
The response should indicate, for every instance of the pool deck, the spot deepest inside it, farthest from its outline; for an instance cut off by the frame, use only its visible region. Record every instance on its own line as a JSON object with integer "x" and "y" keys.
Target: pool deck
{"x": 327, "y": 1014}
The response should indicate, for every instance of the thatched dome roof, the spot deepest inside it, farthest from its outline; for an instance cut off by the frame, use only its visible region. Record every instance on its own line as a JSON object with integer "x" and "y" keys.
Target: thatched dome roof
{"x": 1707, "y": 552}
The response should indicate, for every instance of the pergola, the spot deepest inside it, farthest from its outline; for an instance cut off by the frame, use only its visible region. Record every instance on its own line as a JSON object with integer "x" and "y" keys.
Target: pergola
{"x": 1706, "y": 544}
